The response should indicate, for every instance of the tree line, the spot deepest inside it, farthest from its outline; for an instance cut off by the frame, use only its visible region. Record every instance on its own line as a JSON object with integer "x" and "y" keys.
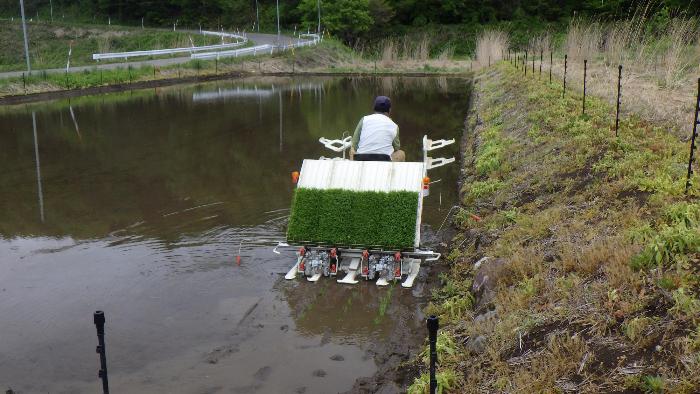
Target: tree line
{"x": 349, "y": 19}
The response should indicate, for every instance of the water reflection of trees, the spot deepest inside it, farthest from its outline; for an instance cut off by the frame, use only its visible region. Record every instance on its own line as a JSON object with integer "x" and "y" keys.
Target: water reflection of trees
{"x": 141, "y": 155}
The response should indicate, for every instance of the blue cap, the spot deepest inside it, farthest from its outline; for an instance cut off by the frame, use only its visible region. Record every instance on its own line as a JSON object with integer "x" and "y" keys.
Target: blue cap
{"x": 382, "y": 104}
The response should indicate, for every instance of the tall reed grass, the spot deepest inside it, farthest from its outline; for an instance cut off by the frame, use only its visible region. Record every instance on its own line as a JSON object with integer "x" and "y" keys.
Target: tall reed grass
{"x": 660, "y": 63}
{"x": 540, "y": 44}
{"x": 490, "y": 47}
{"x": 582, "y": 40}
{"x": 406, "y": 48}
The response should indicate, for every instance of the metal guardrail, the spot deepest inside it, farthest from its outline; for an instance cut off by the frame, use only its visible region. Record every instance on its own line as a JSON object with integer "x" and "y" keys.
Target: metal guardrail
{"x": 258, "y": 49}
{"x": 242, "y": 39}
{"x": 309, "y": 39}
{"x": 154, "y": 52}
{"x": 312, "y": 36}
{"x": 298, "y": 45}
{"x": 224, "y": 34}
{"x": 266, "y": 48}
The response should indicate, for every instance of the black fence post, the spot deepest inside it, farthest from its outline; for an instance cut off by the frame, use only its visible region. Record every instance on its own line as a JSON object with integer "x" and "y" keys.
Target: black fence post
{"x": 533, "y": 64}
{"x": 551, "y": 57}
{"x": 541, "y": 57}
{"x": 585, "y": 70}
{"x": 566, "y": 58}
{"x": 433, "y": 325}
{"x": 99, "y": 319}
{"x": 24, "y": 83}
{"x": 216, "y": 65}
{"x": 696, "y": 122}
{"x": 619, "y": 93}
{"x": 525, "y": 63}
{"x": 489, "y": 60}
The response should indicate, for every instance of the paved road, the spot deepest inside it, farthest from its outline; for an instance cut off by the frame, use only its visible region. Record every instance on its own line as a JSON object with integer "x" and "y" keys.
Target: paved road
{"x": 257, "y": 38}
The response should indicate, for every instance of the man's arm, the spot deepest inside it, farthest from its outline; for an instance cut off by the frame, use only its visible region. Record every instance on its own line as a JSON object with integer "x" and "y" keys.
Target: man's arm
{"x": 396, "y": 143}
{"x": 356, "y": 137}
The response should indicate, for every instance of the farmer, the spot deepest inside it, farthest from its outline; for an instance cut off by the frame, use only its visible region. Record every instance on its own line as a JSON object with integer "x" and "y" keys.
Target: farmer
{"x": 376, "y": 136}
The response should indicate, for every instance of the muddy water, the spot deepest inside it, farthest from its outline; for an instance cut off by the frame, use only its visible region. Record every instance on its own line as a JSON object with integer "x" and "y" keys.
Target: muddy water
{"x": 138, "y": 204}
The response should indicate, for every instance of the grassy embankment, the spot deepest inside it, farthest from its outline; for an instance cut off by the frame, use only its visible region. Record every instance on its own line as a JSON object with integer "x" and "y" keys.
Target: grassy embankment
{"x": 330, "y": 56}
{"x": 587, "y": 250}
{"x": 49, "y": 43}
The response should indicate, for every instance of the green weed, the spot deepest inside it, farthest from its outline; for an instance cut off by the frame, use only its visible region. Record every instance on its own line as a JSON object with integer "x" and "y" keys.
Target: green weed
{"x": 670, "y": 245}
{"x": 685, "y": 304}
{"x": 482, "y": 189}
{"x": 455, "y": 308}
{"x": 445, "y": 347}
{"x": 653, "y": 384}
{"x": 446, "y": 381}
{"x": 490, "y": 154}
{"x": 634, "y": 329}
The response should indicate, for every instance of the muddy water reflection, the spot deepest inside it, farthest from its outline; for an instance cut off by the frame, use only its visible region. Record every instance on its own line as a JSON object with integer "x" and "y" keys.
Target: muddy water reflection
{"x": 138, "y": 203}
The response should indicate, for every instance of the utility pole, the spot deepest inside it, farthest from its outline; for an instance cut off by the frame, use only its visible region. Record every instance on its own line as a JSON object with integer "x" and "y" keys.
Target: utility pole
{"x": 26, "y": 38}
{"x": 257, "y": 16}
{"x": 278, "y": 23}
{"x": 51, "y": 5}
{"x": 318, "y": 5}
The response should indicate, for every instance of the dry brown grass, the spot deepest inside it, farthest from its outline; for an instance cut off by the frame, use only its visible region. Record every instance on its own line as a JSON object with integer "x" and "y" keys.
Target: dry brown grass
{"x": 675, "y": 61}
{"x": 405, "y": 48}
{"x": 659, "y": 72}
{"x": 582, "y": 40}
{"x": 540, "y": 44}
{"x": 104, "y": 44}
{"x": 591, "y": 258}
{"x": 490, "y": 47}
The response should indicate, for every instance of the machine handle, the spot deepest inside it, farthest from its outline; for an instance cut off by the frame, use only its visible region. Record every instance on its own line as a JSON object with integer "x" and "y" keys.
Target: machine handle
{"x": 336, "y": 145}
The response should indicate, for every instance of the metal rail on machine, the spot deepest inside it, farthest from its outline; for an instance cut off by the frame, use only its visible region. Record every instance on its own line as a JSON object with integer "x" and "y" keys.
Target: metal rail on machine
{"x": 430, "y": 145}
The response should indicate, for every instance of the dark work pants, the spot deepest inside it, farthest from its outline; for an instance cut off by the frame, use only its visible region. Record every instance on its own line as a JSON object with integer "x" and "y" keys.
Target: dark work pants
{"x": 371, "y": 157}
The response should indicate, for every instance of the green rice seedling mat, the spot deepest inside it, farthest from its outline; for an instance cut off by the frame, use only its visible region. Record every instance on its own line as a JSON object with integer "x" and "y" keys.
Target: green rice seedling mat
{"x": 353, "y": 218}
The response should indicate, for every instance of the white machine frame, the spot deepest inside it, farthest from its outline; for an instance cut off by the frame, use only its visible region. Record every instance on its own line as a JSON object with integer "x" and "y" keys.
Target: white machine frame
{"x": 353, "y": 261}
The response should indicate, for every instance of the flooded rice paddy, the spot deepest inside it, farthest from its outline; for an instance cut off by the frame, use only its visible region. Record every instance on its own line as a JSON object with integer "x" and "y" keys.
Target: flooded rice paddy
{"x": 139, "y": 203}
